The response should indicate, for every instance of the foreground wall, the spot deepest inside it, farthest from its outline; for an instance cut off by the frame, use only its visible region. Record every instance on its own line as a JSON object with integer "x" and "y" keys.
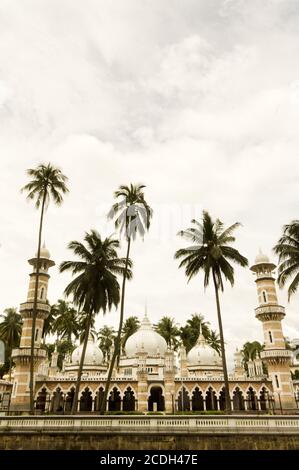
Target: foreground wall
{"x": 149, "y": 433}
{"x": 147, "y": 442}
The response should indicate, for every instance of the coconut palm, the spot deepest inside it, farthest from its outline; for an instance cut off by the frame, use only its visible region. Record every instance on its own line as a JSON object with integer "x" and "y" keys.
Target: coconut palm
{"x": 132, "y": 217}
{"x": 212, "y": 254}
{"x": 214, "y": 341}
{"x": 10, "y": 331}
{"x": 190, "y": 332}
{"x": 167, "y": 328}
{"x": 95, "y": 287}
{"x": 49, "y": 323}
{"x": 287, "y": 249}
{"x": 47, "y": 183}
{"x": 130, "y": 327}
{"x": 66, "y": 323}
{"x": 106, "y": 335}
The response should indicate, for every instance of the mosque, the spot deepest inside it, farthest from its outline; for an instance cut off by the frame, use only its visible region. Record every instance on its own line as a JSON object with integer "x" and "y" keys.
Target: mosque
{"x": 150, "y": 377}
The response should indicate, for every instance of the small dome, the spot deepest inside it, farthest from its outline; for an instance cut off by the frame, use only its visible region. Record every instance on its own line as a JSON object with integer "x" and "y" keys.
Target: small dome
{"x": 93, "y": 354}
{"x": 146, "y": 339}
{"x": 44, "y": 252}
{"x": 261, "y": 258}
{"x": 202, "y": 354}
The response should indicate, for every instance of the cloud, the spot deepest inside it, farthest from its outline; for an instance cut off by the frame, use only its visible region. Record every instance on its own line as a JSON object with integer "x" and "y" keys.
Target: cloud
{"x": 198, "y": 100}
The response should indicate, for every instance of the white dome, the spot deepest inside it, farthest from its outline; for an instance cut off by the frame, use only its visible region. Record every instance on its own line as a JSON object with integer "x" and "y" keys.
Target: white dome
{"x": 44, "y": 252}
{"x": 202, "y": 354}
{"x": 261, "y": 258}
{"x": 146, "y": 339}
{"x": 93, "y": 354}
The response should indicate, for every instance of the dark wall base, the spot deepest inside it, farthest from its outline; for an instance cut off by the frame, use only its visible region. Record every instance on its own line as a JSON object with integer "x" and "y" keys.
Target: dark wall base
{"x": 92, "y": 441}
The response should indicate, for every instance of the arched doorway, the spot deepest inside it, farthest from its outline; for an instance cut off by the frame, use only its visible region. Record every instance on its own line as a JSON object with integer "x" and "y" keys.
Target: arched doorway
{"x": 211, "y": 399}
{"x": 263, "y": 399}
{"x": 57, "y": 401}
{"x": 156, "y": 399}
{"x": 86, "y": 400}
{"x": 99, "y": 399}
{"x": 114, "y": 402}
{"x": 251, "y": 399}
{"x": 129, "y": 400}
{"x": 222, "y": 399}
{"x": 238, "y": 400}
{"x": 197, "y": 400}
{"x": 69, "y": 400}
{"x": 183, "y": 403}
{"x": 41, "y": 400}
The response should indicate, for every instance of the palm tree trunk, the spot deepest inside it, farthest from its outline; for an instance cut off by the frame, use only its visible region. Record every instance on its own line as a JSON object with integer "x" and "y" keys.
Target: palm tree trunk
{"x": 75, "y": 400}
{"x": 228, "y": 407}
{"x": 34, "y": 310}
{"x": 118, "y": 338}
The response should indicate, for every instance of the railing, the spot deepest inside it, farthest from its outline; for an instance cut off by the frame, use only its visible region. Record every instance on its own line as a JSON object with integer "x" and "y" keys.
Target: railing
{"x": 152, "y": 424}
{"x": 274, "y": 308}
{"x": 276, "y": 352}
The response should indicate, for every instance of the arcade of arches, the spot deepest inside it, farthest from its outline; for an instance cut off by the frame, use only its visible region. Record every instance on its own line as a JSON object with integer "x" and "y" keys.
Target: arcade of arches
{"x": 196, "y": 399}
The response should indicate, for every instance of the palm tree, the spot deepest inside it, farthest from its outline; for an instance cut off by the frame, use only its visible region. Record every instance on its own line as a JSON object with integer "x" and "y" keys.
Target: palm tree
{"x": 167, "y": 328}
{"x": 106, "y": 335}
{"x": 133, "y": 216}
{"x": 66, "y": 321}
{"x": 49, "y": 322}
{"x": 287, "y": 249}
{"x": 10, "y": 331}
{"x": 250, "y": 351}
{"x": 48, "y": 182}
{"x": 190, "y": 332}
{"x": 212, "y": 254}
{"x": 214, "y": 341}
{"x": 95, "y": 286}
{"x": 131, "y": 325}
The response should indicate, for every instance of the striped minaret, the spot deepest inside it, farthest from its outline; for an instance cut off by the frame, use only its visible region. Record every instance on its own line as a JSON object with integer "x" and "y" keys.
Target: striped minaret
{"x": 21, "y": 356}
{"x": 270, "y": 313}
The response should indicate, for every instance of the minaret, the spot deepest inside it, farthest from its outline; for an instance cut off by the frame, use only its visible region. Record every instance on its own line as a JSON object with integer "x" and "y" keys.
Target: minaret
{"x": 270, "y": 313}
{"x": 21, "y": 356}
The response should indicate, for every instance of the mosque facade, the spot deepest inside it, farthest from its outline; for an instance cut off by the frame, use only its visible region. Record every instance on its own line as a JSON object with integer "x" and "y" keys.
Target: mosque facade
{"x": 150, "y": 377}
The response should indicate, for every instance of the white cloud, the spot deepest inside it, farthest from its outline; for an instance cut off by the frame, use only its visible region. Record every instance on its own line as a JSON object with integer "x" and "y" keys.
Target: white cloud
{"x": 198, "y": 100}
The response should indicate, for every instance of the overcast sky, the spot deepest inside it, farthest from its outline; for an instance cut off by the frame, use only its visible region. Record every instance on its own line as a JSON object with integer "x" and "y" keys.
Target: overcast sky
{"x": 197, "y": 99}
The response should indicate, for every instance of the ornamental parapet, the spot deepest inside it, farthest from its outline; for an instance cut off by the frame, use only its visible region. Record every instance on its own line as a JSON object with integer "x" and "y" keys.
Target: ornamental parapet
{"x": 279, "y": 353}
{"x": 42, "y": 308}
{"x": 26, "y": 353}
{"x": 270, "y": 312}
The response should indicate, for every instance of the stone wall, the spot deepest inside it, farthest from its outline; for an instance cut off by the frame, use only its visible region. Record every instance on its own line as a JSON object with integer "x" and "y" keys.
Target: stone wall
{"x": 94, "y": 441}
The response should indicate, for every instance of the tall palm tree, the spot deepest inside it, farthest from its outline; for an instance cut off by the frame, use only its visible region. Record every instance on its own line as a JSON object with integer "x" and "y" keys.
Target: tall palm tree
{"x": 167, "y": 328}
{"x": 212, "y": 254}
{"x": 66, "y": 321}
{"x": 47, "y": 183}
{"x": 106, "y": 335}
{"x": 95, "y": 286}
{"x": 130, "y": 327}
{"x": 132, "y": 217}
{"x": 287, "y": 249}
{"x": 10, "y": 331}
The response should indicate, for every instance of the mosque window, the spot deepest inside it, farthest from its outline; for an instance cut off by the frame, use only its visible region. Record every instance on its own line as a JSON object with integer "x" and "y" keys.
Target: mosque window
{"x": 264, "y": 296}
{"x": 270, "y": 337}
{"x": 277, "y": 381}
{"x": 149, "y": 370}
{"x": 42, "y": 292}
{"x": 128, "y": 372}
{"x": 36, "y": 334}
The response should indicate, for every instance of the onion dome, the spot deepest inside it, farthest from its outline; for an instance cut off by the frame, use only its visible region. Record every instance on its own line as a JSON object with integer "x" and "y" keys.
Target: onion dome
{"x": 93, "y": 354}
{"x": 44, "y": 252}
{"x": 202, "y": 354}
{"x": 147, "y": 340}
{"x": 261, "y": 258}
